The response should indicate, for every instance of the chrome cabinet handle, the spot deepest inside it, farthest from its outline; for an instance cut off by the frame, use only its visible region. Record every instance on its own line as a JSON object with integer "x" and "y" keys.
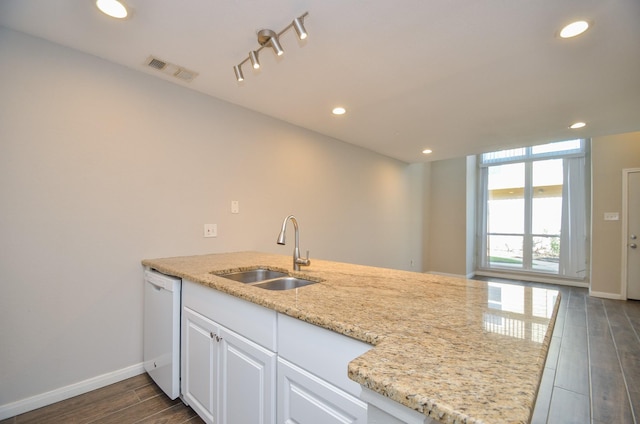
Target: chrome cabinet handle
{"x": 633, "y": 245}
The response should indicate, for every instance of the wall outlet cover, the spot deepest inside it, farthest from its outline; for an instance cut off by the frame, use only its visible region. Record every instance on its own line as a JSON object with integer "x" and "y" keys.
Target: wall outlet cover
{"x": 211, "y": 230}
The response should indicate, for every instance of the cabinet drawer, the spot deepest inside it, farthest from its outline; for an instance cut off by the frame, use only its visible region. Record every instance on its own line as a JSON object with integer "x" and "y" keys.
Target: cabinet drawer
{"x": 322, "y": 352}
{"x": 306, "y": 399}
{"x": 253, "y": 321}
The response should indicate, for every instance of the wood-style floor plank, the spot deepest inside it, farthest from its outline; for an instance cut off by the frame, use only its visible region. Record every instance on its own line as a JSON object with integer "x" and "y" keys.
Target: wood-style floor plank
{"x": 138, "y": 412}
{"x": 178, "y": 413}
{"x": 612, "y": 404}
{"x": 554, "y": 353}
{"x": 148, "y": 391}
{"x": 85, "y": 412}
{"x": 568, "y": 407}
{"x": 573, "y": 371}
{"x": 543, "y": 401}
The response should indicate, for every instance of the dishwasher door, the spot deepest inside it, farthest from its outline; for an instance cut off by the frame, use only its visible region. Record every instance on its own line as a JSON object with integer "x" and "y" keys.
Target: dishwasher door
{"x": 162, "y": 330}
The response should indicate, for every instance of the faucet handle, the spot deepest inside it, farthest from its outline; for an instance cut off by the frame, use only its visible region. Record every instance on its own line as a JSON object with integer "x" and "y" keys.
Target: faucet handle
{"x": 304, "y": 262}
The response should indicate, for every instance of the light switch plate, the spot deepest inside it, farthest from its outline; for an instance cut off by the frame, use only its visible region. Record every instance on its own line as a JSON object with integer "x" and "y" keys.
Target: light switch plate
{"x": 211, "y": 230}
{"x": 611, "y": 216}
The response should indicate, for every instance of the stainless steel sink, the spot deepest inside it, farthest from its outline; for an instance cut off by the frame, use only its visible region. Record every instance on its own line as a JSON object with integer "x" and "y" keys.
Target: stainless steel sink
{"x": 286, "y": 283}
{"x": 254, "y": 275}
{"x": 268, "y": 279}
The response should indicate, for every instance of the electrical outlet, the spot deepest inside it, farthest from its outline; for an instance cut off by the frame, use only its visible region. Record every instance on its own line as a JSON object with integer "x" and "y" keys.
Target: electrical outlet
{"x": 611, "y": 216}
{"x": 211, "y": 230}
{"x": 235, "y": 206}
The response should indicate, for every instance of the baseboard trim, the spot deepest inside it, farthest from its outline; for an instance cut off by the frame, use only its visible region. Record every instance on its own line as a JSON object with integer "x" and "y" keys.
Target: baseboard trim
{"x": 605, "y": 295}
{"x": 444, "y": 274}
{"x": 66, "y": 392}
{"x": 533, "y": 278}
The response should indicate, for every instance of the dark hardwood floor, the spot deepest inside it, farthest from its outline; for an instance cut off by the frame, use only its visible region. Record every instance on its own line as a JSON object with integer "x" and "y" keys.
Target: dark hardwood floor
{"x": 592, "y": 375}
{"x": 135, "y": 400}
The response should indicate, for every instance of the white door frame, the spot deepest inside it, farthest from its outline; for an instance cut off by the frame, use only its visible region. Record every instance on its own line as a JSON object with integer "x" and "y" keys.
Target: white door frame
{"x": 625, "y": 226}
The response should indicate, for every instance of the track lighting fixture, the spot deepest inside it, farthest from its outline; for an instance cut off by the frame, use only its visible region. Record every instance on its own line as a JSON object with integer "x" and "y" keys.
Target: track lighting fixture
{"x": 269, "y": 38}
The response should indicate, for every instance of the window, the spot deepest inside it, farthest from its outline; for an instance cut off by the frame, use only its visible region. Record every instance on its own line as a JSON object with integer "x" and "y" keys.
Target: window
{"x": 533, "y": 206}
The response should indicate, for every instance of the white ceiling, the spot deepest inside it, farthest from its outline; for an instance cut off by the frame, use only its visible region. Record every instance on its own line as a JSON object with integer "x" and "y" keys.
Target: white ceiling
{"x": 458, "y": 77}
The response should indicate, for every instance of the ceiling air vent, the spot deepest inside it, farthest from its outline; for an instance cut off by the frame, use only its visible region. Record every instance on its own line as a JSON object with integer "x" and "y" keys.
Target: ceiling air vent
{"x": 157, "y": 63}
{"x": 184, "y": 74}
{"x": 170, "y": 69}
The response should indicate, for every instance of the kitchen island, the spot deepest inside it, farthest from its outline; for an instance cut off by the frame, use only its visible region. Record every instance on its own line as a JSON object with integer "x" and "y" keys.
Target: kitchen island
{"x": 454, "y": 350}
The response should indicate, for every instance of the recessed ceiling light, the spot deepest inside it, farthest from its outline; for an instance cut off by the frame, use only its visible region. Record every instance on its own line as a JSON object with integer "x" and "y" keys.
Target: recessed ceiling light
{"x": 339, "y": 111}
{"x": 427, "y": 151}
{"x": 574, "y": 29}
{"x": 113, "y": 8}
{"x": 578, "y": 125}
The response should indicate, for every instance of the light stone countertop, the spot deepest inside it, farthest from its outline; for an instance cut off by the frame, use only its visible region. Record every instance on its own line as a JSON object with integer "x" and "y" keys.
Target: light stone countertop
{"x": 459, "y": 351}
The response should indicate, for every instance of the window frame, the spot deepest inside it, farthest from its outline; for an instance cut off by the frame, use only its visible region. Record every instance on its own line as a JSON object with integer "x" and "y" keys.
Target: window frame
{"x": 528, "y": 156}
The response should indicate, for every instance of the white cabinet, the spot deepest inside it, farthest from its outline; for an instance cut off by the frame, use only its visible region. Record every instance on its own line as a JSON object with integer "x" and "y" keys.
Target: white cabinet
{"x": 313, "y": 386}
{"x": 305, "y": 398}
{"x": 200, "y": 364}
{"x": 229, "y": 364}
{"x": 382, "y": 410}
{"x": 247, "y": 381}
{"x": 227, "y": 378}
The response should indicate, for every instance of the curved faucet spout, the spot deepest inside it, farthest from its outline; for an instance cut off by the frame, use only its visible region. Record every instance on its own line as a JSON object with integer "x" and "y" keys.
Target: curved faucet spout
{"x": 281, "y": 237}
{"x": 297, "y": 260}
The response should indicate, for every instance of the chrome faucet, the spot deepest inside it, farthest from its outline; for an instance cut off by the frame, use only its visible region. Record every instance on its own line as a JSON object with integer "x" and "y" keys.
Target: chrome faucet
{"x": 297, "y": 260}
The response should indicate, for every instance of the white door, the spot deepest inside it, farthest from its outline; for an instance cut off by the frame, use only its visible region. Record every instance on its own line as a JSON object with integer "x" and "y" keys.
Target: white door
{"x": 247, "y": 381}
{"x": 200, "y": 363}
{"x": 631, "y": 224}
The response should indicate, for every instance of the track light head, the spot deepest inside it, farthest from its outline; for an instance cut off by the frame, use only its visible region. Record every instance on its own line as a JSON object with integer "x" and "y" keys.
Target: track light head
{"x": 253, "y": 55}
{"x": 268, "y": 37}
{"x": 238, "y": 71}
{"x": 299, "y": 27}
{"x": 275, "y": 43}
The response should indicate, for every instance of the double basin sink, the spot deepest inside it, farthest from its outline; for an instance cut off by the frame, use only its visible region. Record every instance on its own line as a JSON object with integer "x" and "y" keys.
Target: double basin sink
{"x": 267, "y": 279}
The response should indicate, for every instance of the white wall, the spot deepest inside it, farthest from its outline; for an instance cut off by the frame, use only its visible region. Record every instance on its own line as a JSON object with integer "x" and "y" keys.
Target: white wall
{"x": 102, "y": 166}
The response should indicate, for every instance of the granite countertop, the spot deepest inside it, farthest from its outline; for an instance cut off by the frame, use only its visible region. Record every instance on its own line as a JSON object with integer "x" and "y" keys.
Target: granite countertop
{"x": 456, "y": 350}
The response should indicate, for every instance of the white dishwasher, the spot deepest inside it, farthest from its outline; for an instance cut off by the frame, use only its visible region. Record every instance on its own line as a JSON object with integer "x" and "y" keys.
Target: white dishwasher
{"x": 162, "y": 330}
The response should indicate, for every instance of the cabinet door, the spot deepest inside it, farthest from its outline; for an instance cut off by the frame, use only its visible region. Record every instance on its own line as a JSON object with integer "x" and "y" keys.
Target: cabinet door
{"x": 247, "y": 381}
{"x": 304, "y": 398}
{"x": 200, "y": 362}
